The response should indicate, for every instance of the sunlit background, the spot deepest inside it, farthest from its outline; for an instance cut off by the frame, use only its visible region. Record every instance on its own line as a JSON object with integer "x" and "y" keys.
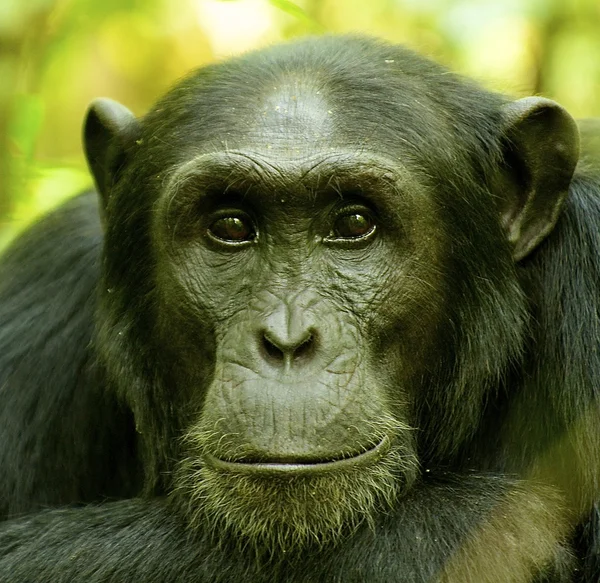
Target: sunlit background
{"x": 57, "y": 55}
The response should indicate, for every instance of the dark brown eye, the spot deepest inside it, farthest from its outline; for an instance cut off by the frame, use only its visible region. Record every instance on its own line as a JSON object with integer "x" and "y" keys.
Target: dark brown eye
{"x": 233, "y": 229}
{"x": 353, "y": 225}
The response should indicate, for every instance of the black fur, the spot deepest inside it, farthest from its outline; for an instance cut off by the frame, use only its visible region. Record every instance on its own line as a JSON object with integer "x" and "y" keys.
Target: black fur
{"x": 506, "y": 408}
{"x": 143, "y": 541}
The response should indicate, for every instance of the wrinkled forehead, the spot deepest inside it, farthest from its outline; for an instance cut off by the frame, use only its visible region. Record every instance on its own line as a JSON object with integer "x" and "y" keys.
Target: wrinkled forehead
{"x": 294, "y": 114}
{"x": 293, "y": 118}
{"x": 292, "y": 134}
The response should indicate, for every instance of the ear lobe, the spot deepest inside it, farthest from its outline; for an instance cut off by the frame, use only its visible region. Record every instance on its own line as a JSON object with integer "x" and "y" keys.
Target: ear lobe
{"x": 108, "y": 131}
{"x": 540, "y": 155}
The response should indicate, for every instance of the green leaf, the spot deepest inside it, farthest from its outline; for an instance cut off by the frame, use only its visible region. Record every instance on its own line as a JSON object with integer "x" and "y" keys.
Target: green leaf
{"x": 295, "y": 11}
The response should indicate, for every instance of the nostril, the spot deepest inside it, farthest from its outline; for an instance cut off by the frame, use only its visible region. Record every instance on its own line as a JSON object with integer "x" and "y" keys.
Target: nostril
{"x": 287, "y": 350}
{"x": 271, "y": 349}
{"x": 305, "y": 348}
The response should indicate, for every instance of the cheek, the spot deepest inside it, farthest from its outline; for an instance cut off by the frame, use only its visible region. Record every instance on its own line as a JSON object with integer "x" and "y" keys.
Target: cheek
{"x": 207, "y": 286}
{"x": 404, "y": 319}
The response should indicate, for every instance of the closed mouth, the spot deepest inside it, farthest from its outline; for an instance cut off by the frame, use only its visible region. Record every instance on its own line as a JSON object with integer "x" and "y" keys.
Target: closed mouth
{"x": 291, "y": 468}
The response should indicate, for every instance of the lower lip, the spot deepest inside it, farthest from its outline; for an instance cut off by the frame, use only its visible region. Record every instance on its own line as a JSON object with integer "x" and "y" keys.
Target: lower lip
{"x": 290, "y": 469}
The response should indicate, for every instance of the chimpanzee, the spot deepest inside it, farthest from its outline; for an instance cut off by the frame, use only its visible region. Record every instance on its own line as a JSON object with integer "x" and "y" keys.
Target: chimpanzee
{"x": 335, "y": 317}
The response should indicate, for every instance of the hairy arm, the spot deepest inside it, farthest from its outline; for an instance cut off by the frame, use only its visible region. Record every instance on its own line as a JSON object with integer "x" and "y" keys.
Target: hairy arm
{"x": 481, "y": 529}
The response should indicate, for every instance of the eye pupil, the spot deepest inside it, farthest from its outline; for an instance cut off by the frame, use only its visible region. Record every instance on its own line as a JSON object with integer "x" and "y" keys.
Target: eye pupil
{"x": 353, "y": 225}
{"x": 235, "y": 229}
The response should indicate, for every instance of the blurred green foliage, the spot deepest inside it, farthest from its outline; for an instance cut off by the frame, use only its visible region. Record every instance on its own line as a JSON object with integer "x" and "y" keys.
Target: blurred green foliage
{"x": 57, "y": 55}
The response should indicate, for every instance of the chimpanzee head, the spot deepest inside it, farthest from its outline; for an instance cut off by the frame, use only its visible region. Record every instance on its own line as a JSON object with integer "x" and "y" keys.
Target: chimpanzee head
{"x": 309, "y": 275}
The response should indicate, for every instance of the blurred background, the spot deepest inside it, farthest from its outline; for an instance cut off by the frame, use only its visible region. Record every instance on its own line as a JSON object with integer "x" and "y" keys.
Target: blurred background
{"x": 57, "y": 55}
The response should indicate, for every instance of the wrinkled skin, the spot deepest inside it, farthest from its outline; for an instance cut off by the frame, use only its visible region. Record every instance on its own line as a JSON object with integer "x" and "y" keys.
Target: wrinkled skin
{"x": 340, "y": 332}
{"x": 300, "y": 326}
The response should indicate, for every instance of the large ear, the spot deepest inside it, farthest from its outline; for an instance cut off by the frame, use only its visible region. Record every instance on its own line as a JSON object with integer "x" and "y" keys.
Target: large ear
{"x": 108, "y": 131}
{"x": 541, "y": 150}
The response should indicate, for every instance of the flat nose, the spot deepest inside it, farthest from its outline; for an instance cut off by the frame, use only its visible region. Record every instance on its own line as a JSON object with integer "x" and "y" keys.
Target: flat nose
{"x": 287, "y": 337}
{"x": 286, "y": 350}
